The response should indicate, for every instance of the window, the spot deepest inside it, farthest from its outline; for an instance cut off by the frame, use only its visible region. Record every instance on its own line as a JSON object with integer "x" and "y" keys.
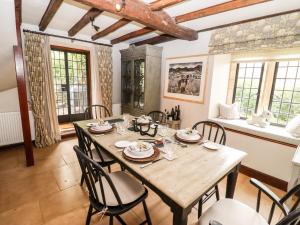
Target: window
{"x": 247, "y": 87}
{"x": 269, "y": 84}
{"x": 285, "y": 95}
{"x": 70, "y": 77}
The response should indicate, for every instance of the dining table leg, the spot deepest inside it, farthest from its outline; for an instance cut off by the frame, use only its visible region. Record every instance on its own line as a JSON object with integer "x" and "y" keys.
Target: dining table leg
{"x": 231, "y": 181}
{"x": 180, "y": 216}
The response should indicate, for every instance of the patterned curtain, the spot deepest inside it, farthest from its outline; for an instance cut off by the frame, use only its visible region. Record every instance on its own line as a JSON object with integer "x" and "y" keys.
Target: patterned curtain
{"x": 271, "y": 33}
{"x": 39, "y": 72}
{"x": 105, "y": 74}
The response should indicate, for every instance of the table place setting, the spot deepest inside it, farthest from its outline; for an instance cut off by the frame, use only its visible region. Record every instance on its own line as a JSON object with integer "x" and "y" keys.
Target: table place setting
{"x": 188, "y": 135}
{"x": 100, "y": 127}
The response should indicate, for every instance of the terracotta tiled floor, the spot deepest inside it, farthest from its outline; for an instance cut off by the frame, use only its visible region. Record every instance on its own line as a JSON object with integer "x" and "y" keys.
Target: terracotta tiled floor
{"x": 49, "y": 192}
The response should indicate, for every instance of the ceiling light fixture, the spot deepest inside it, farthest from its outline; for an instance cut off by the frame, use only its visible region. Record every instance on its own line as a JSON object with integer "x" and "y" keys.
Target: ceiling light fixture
{"x": 92, "y": 19}
{"x": 120, "y": 4}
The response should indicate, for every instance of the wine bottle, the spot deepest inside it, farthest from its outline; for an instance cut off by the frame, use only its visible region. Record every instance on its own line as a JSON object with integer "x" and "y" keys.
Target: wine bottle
{"x": 172, "y": 113}
{"x": 178, "y": 112}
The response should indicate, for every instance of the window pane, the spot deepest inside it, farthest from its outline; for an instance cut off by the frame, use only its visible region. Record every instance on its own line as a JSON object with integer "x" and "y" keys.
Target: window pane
{"x": 247, "y": 85}
{"x": 286, "y": 92}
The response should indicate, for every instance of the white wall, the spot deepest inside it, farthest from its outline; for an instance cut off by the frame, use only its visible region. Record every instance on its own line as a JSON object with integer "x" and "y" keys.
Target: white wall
{"x": 7, "y": 40}
{"x": 9, "y": 101}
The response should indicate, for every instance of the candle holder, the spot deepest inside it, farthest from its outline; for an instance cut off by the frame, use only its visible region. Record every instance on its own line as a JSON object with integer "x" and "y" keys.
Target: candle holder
{"x": 146, "y": 132}
{"x": 139, "y": 128}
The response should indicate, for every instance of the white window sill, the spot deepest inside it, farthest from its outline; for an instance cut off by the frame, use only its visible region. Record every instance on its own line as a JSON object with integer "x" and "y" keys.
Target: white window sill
{"x": 270, "y": 132}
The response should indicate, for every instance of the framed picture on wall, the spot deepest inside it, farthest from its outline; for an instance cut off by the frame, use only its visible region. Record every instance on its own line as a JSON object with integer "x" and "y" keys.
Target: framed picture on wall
{"x": 185, "y": 78}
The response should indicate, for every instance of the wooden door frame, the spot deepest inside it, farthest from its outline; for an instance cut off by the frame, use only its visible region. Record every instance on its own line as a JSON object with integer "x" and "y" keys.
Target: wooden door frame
{"x": 88, "y": 65}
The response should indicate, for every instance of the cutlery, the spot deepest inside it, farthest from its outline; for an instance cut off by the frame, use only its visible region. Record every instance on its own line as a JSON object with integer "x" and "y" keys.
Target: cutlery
{"x": 146, "y": 139}
{"x": 150, "y": 163}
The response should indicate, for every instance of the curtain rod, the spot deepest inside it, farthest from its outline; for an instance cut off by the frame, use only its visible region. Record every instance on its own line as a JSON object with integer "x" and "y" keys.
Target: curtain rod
{"x": 69, "y": 38}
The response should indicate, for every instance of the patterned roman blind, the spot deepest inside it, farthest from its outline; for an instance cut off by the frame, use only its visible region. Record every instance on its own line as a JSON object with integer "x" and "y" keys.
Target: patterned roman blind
{"x": 270, "y": 33}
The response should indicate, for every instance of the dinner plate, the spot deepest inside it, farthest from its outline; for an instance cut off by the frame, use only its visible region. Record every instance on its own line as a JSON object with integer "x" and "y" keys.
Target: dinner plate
{"x": 122, "y": 144}
{"x": 146, "y": 155}
{"x": 211, "y": 146}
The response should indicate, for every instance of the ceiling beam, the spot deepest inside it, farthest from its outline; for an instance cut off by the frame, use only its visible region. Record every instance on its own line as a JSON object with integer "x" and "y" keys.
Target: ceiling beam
{"x": 215, "y": 9}
{"x": 92, "y": 13}
{"x": 157, "y": 5}
{"x": 120, "y": 23}
{"x": 160, "y": 4}
{"x": 165, "y": 38}
{"x": 131, "y": 35}
{"x": 50, "y": 12}
{"x": 206, "y": 12}
{"x": 157, "y": 20}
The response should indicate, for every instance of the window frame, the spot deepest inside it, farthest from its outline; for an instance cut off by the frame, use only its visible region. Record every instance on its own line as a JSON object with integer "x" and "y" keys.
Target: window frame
{"x": 66, "y": 50}
{"x": 273, "y": 89}
{"x": 267, "y": 80}
{"x": 259, "y": 85}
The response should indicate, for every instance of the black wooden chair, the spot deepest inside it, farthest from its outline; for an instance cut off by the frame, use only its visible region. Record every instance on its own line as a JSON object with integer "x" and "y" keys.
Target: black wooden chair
{"x": 92, "y": 149}
{"x": 112, "y": 194}
{"x": 214, "y": 132}
{"x": 96, "y": 112}
{"x": 233, "y": 212}
{"x": 158, "y": 116}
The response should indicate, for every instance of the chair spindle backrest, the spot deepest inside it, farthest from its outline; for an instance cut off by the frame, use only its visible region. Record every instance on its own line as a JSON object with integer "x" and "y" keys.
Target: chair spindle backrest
{"x": 159, "y": 116}
{"x": 96, "y": 112}
{"x": 95, "y": 175}
{"x": 211, "y": 131}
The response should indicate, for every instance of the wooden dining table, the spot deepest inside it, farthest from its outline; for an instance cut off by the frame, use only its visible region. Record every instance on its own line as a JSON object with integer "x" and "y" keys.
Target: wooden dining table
{"x": 182, "y": 182}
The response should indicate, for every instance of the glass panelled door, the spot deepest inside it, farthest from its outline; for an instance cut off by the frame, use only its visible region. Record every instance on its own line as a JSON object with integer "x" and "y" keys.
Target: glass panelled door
{"x": 71, "y": 86}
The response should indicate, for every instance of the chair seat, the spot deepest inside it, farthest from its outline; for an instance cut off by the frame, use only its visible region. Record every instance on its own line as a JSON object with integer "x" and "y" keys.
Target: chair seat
{"x": 105, "y": 156}
{"x": 231, "y": 212}
{"x": 129, "y": 189}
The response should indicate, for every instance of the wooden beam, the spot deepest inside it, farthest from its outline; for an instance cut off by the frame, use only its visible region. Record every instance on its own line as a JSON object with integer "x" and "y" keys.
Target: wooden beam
{"x": 160, "y": 4}
{"x": 120, "y": 23}
{"x": 223, "y": 7}
{"x": 202, "y": 13}
{"x": 21, "y": 85}
{"x": 164, "y": 38}
{"x": 155, "y": 40}
{"x": 131, "y": 35}
{"x": 92, "y": 13}
{"x": 140, "y": 12}
{"x": 50, "y": 12}
{"x": 157, "y": 5}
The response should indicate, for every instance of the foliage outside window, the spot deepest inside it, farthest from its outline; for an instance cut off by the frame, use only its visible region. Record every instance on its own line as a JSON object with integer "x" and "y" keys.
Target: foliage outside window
{"x": 285, "y": 95}
{"x": 247, "y": 87}
{"x": 268, "y": 85}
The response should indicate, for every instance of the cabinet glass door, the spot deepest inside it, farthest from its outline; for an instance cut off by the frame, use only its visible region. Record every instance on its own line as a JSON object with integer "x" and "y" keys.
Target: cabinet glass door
{"x": 126, "y": 82}
{"x": 139, "y": 83}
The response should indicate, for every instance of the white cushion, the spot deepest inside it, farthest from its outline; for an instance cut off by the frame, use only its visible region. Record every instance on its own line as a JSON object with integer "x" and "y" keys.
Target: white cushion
{"x": 293, "y": 127}
{"x": 229, "y": 112}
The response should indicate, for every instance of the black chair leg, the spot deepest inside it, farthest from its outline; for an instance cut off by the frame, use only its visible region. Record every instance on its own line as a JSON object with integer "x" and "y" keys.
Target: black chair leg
{"x": 120, "y": 220}
{"x": 200, "y": 208}
{"x": 109, "y": 169}
{"x": 111, "y": 220}
{"x": 148, "y": 219}
{"x": 217, "y": 192}
{"x": 89, "y": 215}
{"x": 81, "y": 180}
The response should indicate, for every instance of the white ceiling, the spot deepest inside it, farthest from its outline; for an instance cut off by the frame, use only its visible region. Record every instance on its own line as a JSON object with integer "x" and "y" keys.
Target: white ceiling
{"x": 70, "y": 12}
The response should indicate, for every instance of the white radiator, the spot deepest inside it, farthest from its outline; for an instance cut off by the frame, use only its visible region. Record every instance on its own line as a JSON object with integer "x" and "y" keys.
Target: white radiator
{"x": 11, "y": 128}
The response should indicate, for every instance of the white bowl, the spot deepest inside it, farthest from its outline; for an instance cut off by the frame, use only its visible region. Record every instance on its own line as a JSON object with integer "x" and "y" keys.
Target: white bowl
{"x": 133, "y": 149}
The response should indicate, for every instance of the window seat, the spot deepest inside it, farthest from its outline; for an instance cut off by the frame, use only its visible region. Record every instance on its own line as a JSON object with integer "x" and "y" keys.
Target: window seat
{"x": 271, "y": 133}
